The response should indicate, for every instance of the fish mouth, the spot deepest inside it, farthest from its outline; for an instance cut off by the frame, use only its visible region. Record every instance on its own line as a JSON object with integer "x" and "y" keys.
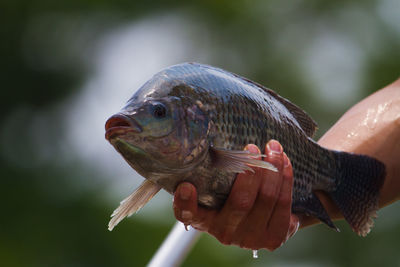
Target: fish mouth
{"x": 119, "y": 124}
{"x": 135, "y": 156}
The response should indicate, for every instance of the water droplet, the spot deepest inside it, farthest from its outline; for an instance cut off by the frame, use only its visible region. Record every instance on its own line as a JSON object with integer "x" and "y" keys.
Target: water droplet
{"x": 255, "y": 254}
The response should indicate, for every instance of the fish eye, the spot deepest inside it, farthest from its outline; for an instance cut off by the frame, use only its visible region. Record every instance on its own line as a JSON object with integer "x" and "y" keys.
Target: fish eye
{"x": 159, "y": 111}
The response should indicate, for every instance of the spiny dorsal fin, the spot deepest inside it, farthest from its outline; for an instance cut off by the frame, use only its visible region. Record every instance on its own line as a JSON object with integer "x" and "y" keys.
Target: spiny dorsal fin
{"x": 306, "y": 123}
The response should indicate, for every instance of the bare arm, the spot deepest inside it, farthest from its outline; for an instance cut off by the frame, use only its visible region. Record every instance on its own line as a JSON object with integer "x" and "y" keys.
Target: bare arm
{"x": 371, "y": 127}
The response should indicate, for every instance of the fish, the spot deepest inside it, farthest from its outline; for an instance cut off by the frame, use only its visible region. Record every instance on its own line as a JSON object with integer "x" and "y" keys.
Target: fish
{"x": 191, "y": 122}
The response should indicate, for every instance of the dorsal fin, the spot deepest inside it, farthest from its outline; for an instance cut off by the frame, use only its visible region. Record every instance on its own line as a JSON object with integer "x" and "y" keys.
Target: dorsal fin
{"x": 307, "y": 124}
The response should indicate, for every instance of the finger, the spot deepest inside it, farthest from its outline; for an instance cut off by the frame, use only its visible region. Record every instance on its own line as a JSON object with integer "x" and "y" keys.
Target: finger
{"x": 278, "y": 225}
{"x": 268, "y": 194}
{"x": 293, "y": 226}
{"x": 203, "y": 219}
{"x": 239, "y": 203}
{"x": 186, "y": 208}
{"x": 185, "y": 202}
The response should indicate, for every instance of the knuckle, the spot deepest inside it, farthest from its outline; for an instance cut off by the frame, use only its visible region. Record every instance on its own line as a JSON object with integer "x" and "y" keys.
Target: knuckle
{"x": 177, "y": 215}
{"x": 268, "y": 196}
{"x": 199, "y": 227}
{"x": 273, "y": 244}
{"x": 242, "y": 202}
{"x": 187, "y": 216}
{"x": 216, "y": 233}
{"x": 285, "y": 201}
{"x": 247, "y": 245}
{"x": 225, "y": 242}
{"x": 242, "y": 245}
{"x": 223, "y": 239}
{"x": 250, "y": 241}
{"x": 235, "y": 241}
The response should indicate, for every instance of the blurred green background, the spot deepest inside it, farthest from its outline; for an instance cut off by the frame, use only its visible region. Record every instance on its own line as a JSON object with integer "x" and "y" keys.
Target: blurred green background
{"x": 68, "y": 65}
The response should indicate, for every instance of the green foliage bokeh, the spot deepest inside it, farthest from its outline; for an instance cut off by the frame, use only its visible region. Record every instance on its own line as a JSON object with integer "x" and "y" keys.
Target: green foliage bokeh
{"x": 44, "y": 222}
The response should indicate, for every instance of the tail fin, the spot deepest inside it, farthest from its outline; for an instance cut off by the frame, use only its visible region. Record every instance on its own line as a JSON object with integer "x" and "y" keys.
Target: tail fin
{"x": 359, "y": 179}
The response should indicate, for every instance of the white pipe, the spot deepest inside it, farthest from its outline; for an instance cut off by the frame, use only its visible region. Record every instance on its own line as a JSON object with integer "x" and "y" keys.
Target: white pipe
{"x": 175, "y": 247}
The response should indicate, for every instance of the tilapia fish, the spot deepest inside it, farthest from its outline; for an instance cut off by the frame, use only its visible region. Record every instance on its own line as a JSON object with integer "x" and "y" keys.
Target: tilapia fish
{"x": 191, "y": 122}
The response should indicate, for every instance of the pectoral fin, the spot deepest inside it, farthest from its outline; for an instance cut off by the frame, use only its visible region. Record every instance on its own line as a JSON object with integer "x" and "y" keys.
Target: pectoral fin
{"x": 133, "y": 202}
{"x": 239, "y": 161}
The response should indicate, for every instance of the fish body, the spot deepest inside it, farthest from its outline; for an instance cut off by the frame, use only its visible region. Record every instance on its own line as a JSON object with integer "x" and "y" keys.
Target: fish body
{"x": 191, "y": 122}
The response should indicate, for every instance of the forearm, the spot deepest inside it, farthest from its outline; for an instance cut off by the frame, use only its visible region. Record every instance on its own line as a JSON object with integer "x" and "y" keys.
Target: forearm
{"x": 371, "y": 127}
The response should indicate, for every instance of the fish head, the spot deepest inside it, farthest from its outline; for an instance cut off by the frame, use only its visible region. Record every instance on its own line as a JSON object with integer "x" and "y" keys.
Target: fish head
{"x": 159, "y": 133}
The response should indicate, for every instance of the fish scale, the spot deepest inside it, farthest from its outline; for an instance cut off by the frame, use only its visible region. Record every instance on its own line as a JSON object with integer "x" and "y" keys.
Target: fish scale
{"x": 214, "y": 114}
{"x": 304, "y": 172}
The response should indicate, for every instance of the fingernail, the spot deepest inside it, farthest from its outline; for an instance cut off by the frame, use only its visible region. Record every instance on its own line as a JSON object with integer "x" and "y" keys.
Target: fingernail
{"x": 186, "y": 215}
{"x": 295, "y": 229}
{"x": 185, "y": 191}
{"x": 252, "y": 149}
{"x": 285, "y": 160}
{"x": 274, "y": 147}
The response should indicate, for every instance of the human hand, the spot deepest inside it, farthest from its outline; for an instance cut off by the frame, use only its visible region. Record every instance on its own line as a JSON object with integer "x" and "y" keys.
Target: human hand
{"x": 257, "y": 213}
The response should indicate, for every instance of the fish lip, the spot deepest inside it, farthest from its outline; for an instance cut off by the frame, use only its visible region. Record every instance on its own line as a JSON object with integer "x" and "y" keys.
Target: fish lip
{"x": 121, "y": 124}
{"x": 115, "y": 131}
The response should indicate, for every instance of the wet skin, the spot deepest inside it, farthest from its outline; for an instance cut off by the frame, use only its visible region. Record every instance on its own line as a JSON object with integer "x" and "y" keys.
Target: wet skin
{"x": 371, "y": 127}
{"x": 257, "y": 211}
